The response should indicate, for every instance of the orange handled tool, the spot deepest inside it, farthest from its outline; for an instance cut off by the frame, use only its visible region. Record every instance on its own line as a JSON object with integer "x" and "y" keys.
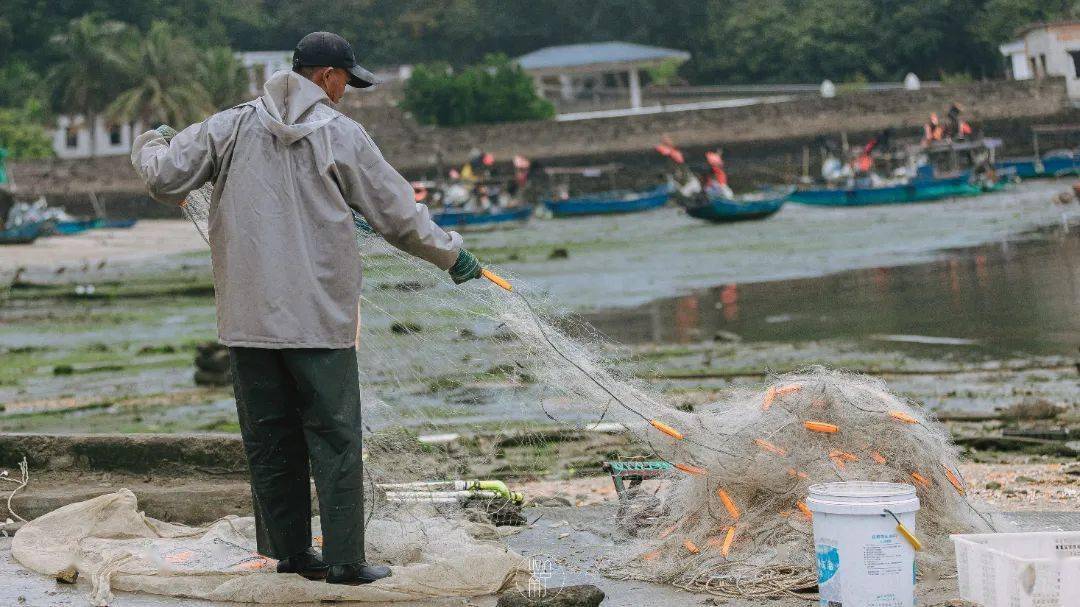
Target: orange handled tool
{"x": 495, "y": 278}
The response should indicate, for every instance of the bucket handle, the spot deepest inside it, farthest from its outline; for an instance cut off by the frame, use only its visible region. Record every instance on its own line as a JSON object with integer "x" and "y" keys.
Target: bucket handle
{"x": 908, "y": 535}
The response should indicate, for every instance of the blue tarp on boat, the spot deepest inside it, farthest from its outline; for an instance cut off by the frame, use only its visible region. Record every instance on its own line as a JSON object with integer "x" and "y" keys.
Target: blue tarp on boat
{"x": 607, "y": 203}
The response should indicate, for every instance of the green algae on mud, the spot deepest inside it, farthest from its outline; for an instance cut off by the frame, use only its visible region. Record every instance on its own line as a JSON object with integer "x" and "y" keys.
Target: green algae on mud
{"x": 613, "y": 264}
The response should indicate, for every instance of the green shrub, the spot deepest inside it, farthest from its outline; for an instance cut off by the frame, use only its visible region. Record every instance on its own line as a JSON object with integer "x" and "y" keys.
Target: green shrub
{"x": 22, "y": 132}
{"x": 495, "y": 91}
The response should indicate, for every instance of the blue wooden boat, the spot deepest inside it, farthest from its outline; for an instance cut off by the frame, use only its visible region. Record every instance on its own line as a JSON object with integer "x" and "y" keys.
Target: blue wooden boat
{"x": 461, "y": 219}
{"x": 1050, "y": 166}
{"x": 74, "y": 226}
{"x": 22, "y": 234}
{"x": 114, "y": 224}
{"x": 726, "y": 210}
{"x": 918, "y": 190}
{"x": 608, "y": 203}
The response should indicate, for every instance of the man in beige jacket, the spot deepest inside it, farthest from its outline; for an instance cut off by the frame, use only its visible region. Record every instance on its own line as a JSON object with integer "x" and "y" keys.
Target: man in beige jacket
{"x": 288, "y": 172}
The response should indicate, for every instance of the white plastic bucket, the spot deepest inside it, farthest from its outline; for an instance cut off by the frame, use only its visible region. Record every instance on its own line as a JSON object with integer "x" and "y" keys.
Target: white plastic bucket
{"x": 863, "y": 561}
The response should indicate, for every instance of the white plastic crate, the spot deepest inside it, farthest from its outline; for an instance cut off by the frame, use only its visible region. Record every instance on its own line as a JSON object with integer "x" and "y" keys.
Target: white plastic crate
{"x": 1038, "y": 569}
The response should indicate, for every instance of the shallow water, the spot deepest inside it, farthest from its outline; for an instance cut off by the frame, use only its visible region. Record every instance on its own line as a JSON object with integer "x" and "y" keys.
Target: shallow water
{"x": 1009, "y": 298}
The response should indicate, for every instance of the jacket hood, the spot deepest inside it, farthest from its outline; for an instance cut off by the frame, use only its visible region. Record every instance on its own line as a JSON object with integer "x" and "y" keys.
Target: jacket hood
{"x": 286, "y": 105}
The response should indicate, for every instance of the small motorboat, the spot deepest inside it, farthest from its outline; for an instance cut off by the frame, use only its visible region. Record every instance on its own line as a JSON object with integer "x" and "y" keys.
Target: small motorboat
{"x": 741, "y": 208}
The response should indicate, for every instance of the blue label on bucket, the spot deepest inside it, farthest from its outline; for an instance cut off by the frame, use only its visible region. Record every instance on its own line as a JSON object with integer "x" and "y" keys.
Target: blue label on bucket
{"x": 828, "y": 560}
{"x": 829, "y": 591}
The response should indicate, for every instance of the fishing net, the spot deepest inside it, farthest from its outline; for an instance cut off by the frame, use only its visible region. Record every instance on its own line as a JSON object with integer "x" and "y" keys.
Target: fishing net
{"x": 464, "y": 385}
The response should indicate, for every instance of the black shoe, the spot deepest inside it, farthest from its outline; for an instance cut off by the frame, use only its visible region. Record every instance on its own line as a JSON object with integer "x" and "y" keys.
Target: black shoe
{"x": 356, "y": 574}
{"x": 308, "y": 563}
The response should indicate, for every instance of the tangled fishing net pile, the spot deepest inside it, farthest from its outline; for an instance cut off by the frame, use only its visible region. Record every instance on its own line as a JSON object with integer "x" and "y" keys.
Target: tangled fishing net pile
{"x": 729, "y": 518}
{"x": 732, "y": 519}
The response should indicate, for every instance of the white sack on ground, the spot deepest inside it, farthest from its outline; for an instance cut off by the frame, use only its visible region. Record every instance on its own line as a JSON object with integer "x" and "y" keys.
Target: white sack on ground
{"x": 115, "y": 546}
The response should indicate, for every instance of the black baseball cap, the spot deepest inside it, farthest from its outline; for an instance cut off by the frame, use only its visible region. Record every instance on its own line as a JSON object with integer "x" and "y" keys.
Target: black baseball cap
{"x": 324, "y": 49}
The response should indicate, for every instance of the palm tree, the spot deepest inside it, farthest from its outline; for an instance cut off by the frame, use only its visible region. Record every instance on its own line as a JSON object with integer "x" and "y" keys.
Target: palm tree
{"x": 162, "y": 82}
{"x": 89, "y": 61}
{"x": 223, "y": 76}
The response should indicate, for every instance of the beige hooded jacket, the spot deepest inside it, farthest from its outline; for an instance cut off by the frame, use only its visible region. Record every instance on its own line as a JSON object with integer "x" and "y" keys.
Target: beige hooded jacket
{"x": 287, "y": 170}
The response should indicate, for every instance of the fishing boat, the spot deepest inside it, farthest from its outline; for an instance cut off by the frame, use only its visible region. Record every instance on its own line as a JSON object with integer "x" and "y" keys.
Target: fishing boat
{"x": 608, "y": 203}
{"x": 1054, "y": 163}
{"x": 924, "y": 182}
{"x": 920, "y": 190}
{"x": 1048, "y": 166}
{"x": 743, "y": 208}
{"x": 106, "y": 223}
{"x": 913, "y": 191}
{"x": 22, "y": 234}
{"x": 461, "y": 219}
{"x": 68, "y": 227}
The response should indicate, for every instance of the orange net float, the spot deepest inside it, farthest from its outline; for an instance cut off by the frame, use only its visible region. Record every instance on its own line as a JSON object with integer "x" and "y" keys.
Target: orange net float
{"x": 920, "y": 480}
{"x": 844, "y": 455}
{"x": 725, "y": 544}
{"x": 666, "y": 429}
{"x": 955, "y": 480}
{"x": 877, "y": 457}
{"x": 666, "y": 532}
{"x": 903, "y": 417}
{"x": 689, "y": 469}
{"x": 821, "y": 427}
{"x": 651, "y": 556}
{"x": 793, "y": 473}
{"x": 729, "y": 505}
{"x": 770, "y": 396}
{"x": 781, "y": 391}
{"x": 771, "y": 448}
{"x": 805, "y": 510}
{"x": 691, "y": 547}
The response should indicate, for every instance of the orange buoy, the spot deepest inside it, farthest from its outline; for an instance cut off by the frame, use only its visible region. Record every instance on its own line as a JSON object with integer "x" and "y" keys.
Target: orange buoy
{"x": 729, "y": 505}
{"x": 687, "y": 468}
{"x": 666, "y": 429}
{"x": 903, "y": 417}
{"x": 767, "y": 446}
{"x": 821, "y": 427}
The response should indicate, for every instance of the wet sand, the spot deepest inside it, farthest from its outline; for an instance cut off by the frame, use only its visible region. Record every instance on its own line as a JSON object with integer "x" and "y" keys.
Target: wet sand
{"x": 145, "y": 240}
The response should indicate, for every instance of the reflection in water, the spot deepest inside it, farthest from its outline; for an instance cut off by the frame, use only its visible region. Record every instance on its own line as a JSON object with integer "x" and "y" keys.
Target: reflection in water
{"x": 1011, "y": 297}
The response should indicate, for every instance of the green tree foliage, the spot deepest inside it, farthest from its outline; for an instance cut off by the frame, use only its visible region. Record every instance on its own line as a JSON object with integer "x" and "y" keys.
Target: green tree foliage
{"x": 223, "y": 77}
{"x": 730, "y": 40}
{"x": 89, "y": 61}
{"x": 495, "y": 91}
{"x": 160, "y": 80}
{"x": 21, "y": 133}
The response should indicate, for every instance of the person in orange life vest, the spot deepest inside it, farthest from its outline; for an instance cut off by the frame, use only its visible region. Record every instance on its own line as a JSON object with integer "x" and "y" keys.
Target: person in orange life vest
{"x": 716, "y": 183}
{"x": 933, "y": 130}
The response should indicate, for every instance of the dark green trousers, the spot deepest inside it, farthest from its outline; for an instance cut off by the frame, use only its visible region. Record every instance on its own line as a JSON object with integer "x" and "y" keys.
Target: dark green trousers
{"x": 296, "y": 406}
